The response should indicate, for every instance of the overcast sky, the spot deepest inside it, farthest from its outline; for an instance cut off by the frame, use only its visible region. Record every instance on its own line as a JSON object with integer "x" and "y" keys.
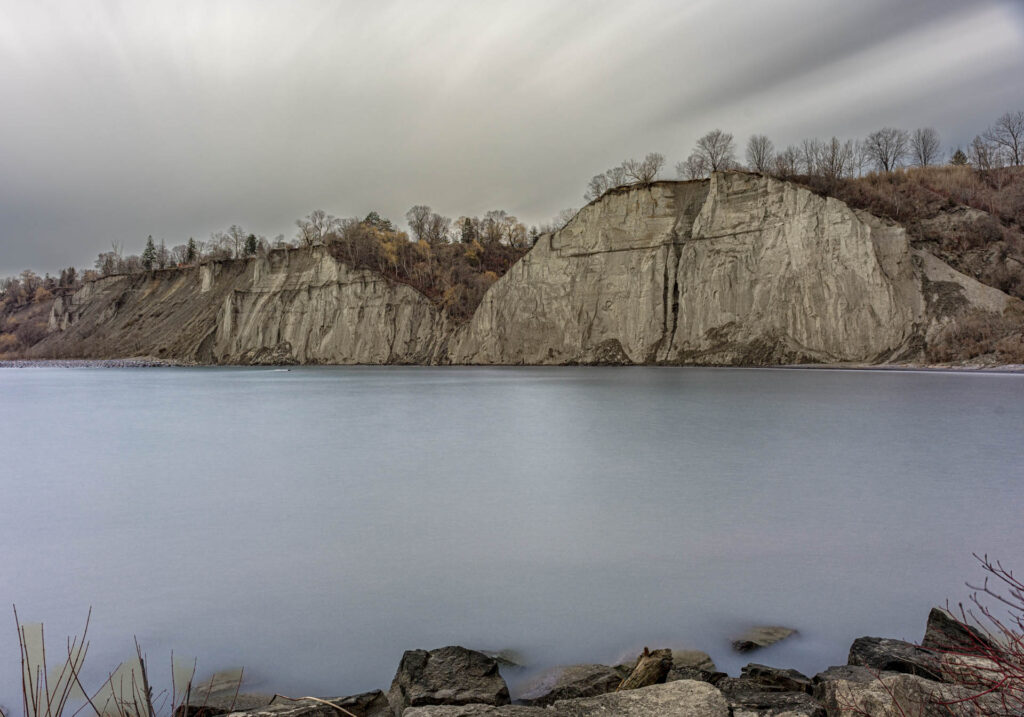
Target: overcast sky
{"x": 177, "y": 119}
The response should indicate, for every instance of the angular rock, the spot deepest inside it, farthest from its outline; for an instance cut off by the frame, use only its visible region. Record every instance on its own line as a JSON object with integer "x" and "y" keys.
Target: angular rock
{"x": 944, "y": 633}
{"x": 198, "y": 711}
{"x": 895, "y": 693}
{"x": 570, "y": 682}
{"x": 777, "y": 679}
{"x": 367, "y": 704}
{"x": 754, "y": 703}
{"x": 761, "y": 636}
{"x": 692, "y": 673}
{"x": 652, "y": 667}
{"x": 693, "y": 658}
{"x": 846, "y": 673}
{"x": 881, "y": 653}
{"x": 685, "y": 698}
{"x": 447, "y": 676}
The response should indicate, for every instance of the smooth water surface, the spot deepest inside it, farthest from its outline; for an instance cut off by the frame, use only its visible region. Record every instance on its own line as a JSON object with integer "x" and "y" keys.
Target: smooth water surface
{"x": 312, "y": 524}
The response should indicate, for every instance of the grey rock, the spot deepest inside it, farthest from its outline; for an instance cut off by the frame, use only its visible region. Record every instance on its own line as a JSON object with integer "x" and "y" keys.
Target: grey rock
{"x": 447, "y": 676}
{"x": 895, "y": 693}
{"x": 880, "y": 653}
{"x": 652, "y": 667}
{"x": 693, "y": 658}
{"x": 947, "y": 634}
{"x": 776, "y": 678}
{"x": 367, "y": 704}
{"x": 198, "y": 711}
{"x": 692, "y": 673}
{"x": 846, "y": 673}
{"x": 570, "y": 682}
{"x": 754, "y": 703}
{"x": 684, "y": 698}
{"x": 761, "y": 636}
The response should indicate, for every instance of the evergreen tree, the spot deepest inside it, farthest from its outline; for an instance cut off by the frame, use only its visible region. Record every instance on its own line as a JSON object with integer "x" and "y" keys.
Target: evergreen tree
{"x": 250, "y": 245}
{"x": 149, "y": 254}
{"x": 376, "y": 221}
{"x": 958, "y": 158}
{"x": 468, "y": 231}
{"x": 191, "y": 253}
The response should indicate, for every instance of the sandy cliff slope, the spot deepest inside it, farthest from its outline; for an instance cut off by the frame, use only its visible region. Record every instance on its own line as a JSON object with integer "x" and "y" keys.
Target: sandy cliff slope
{"x": 736, "y": 270}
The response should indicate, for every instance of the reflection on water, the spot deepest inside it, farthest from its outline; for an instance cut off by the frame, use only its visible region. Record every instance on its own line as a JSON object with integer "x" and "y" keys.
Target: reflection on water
{"x": 314, "y": 524}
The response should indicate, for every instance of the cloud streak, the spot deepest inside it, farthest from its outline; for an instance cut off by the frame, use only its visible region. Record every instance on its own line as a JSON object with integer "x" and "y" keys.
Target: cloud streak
{"x": 124, "y": 119}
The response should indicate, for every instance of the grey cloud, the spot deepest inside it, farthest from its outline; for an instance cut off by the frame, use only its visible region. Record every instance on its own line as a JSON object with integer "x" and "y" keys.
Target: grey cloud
{"x": 123, "y": 119}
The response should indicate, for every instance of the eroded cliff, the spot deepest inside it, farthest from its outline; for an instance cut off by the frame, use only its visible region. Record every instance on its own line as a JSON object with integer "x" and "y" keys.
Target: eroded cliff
{"x": 291, "y": 306}
{"x": 735, "y": 270}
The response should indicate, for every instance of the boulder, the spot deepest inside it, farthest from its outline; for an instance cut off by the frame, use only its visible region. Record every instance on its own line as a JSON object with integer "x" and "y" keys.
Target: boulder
{"x": 777, "y": 679}
{"x": 693, "y": 658}
{"x": 847, "y": 673}
{"x": 570, "y": 682}
{"x": 756, "y": 703}
{"x": 897, "y": 693}
{"x": 446, "y": 676}
{"x": 884, "y": 654}
{"x": 685, "y": 698}
{"x": 651, "y": 668}
{"x": 945, "y": 633}
{"x": 692, "y": 673}
{"x": 761, "y": 636}
{"x": 367, "y": 704}
{"x": 198, "y": 711}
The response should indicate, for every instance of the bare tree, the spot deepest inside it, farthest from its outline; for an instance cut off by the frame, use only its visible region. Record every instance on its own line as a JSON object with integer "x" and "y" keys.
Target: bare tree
{"x": 811, "y": 151}
{"x": 760, "y": 153}
{"x": 631, "y": 171}
{"x": 438, "y": 228}
{"x": 835, "y": 159}
{"x": 924, "y": 146}
{"x": 1008, "y": 133}
{"x": 787, "y": 162}
{"x": 419, "y": 220}
{"x": 597, "y": 186}
{"x": 695, "y": 167}
{"x": 887, "y": 147}
{"x": 717, "y": 149}
{"x": 236, "y": 236}
{"x": 984, "y": 155}
{"x": 316, "y": 227}
{"x": 643, "y": 171}
{"x": 861, "y": 158}
{"x": 163, "y": 257}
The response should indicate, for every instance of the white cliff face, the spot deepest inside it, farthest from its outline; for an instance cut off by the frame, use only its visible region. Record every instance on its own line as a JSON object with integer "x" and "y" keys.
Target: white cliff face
{"x": 297, "y": 306}
{"x": 739, "y": 270}
{"x": 308, "y": 308}
{"x": 594, "y": 291}
{"x": 735, "y": 270}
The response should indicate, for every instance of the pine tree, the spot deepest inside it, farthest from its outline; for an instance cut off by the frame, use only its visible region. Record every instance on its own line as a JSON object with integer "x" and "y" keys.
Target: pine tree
{"x": 468, "y": 231}
{"x": 191, "y": 252}
{"x": 958, "y": 158}
{"x": 149, "y": 254}
{"x": 250, "y": 245}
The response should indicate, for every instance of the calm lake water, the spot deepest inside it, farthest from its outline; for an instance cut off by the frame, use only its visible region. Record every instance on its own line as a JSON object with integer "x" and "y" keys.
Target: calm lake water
{"x": 313, "y": 524}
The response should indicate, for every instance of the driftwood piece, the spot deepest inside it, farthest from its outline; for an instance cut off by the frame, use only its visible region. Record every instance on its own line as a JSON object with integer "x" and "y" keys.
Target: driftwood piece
{"x": 651, "y": 669}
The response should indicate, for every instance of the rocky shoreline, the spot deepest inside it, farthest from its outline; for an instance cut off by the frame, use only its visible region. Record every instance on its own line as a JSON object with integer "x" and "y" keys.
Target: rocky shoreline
{"x": 882, "y": 677}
